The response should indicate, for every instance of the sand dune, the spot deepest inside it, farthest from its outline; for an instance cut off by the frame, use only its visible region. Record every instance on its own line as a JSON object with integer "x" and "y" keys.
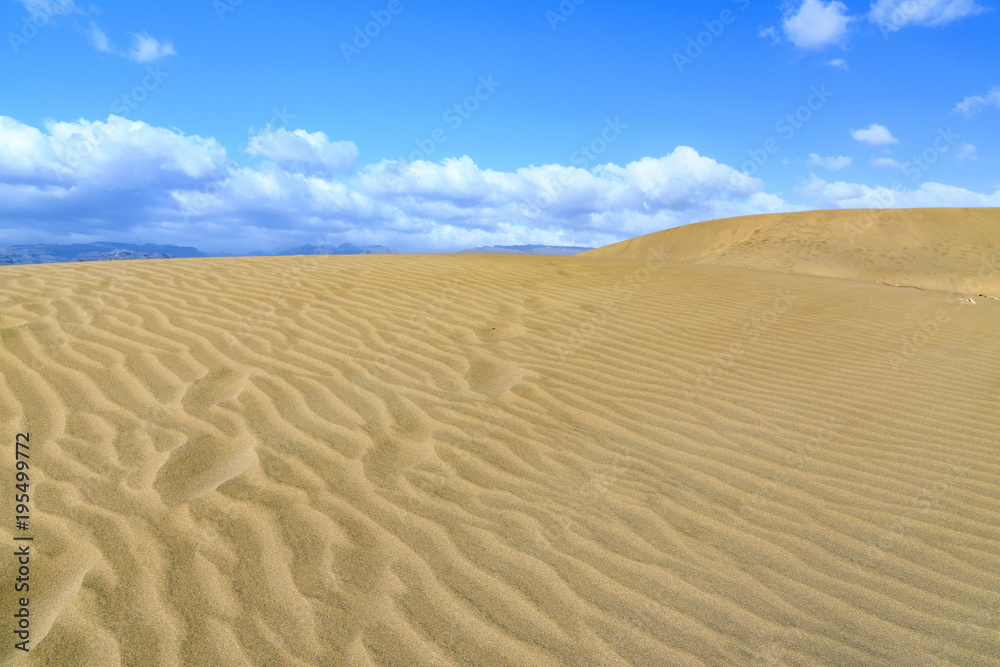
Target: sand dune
{"x": 938, "y": 249}
{"x": 512, "y": 460}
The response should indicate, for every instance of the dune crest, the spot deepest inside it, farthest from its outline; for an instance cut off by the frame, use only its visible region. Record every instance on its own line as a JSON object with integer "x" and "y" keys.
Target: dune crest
{"x": 945, "y": 249}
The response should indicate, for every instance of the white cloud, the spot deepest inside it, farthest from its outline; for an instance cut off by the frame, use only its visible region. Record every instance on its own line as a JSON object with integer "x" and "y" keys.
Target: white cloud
{"x": 770, "y": 33}
{"x": 817, "y": 24}
{"x": 886, "y": 163}
{"x": 893, "y": 15}
{"x": 49, "y": 7}
{"x": 128, "y": 181}
{"x": 146, "y": 49}
{"x": 299, "y": 149}
{"x": 874, "y": 135}
{"x": 99, "y": 39}
{"x": 839, "y": 63}
{"x": 973, "y": 104}
{"x": 831, "y": 163}
{"x": 929, "y": 195}
{"x": 966, "y": 152}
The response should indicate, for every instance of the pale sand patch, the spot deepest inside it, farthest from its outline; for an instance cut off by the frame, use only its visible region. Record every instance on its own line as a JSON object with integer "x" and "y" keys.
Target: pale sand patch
{"x": 513, "y": 460}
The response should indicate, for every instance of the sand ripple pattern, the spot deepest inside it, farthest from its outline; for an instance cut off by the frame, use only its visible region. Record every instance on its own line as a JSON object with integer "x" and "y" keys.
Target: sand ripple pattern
{"x": 396, "y": 461}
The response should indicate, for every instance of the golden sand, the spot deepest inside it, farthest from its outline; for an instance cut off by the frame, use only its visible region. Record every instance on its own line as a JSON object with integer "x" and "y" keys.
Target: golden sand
{"x": 608, "y": 459}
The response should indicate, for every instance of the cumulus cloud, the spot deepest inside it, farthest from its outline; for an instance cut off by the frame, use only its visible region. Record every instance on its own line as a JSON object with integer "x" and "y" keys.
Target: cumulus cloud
{"x": 146, "y": 49}
{"x": 839, "y": 63}
{"x": 831, "y": 163}
{"x": 301, "y": 150}
{"x": 893, "y": 15}
{"x": 817, "y": 24}
{"x": 973, "y": 104}
{"x": 928, "y": 195}
{"x": 874, "y": 135}
{"x": 129, "y": 181}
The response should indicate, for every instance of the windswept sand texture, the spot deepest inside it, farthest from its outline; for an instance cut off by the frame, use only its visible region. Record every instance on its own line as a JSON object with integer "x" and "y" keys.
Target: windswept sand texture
{"x": 934, "y": 248}
{"x": 516, "y": 460}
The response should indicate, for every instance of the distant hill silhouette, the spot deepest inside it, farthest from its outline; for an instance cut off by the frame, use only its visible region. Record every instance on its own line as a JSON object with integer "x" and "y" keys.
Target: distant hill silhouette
{"x": 342, "y": 249}
{"x": 533, "y": 249}
{"x": 87, "y": 252}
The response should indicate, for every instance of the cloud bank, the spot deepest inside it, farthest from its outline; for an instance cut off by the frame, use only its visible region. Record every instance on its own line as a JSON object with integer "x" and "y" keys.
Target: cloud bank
{"x": 129, "y": 181}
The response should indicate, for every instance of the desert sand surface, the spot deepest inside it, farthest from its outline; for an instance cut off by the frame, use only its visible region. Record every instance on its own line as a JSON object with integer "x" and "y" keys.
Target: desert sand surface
{"x": 643, "y": 455}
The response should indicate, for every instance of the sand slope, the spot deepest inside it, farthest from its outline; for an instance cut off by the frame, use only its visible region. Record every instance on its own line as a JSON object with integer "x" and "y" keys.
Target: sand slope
{"x": 938, "y": 248}
{"x": 405, "y": 460}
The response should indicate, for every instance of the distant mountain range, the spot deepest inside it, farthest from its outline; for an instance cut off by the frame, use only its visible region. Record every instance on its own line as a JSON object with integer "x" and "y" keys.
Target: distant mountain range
{"x": 89, "y": 252}
{"x": 529, "y": 249}
{"x": 342, "y": 249}
{"x": 102, "y": 251}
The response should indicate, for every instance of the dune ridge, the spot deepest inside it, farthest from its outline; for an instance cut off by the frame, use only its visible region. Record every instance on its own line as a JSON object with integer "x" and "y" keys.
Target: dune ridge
{"x": 934, "y": 248}
{"x": 507, "y": 460}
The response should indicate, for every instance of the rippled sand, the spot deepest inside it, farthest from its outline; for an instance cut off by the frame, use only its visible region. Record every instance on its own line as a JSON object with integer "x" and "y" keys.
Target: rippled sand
{"x": 646, "y": 454}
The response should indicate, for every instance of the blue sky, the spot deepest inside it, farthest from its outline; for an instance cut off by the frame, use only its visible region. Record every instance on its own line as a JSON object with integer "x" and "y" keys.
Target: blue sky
{"x": 236, "y": 126}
